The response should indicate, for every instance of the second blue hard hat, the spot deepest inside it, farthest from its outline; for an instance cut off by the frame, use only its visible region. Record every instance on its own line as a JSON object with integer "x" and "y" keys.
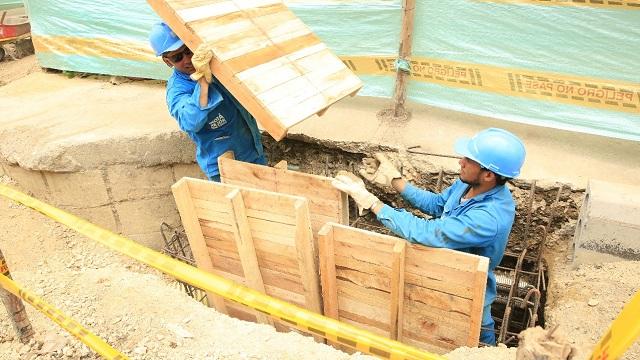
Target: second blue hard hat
{"x": 495, "y": 149}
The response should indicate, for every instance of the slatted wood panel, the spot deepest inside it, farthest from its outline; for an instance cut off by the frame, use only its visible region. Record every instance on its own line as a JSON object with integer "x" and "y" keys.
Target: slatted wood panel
{"x": 265, "y": 56}
{"x": 326, "y": 203}
{"x": 425, "y": 297}
{"x": 259, "y": 239}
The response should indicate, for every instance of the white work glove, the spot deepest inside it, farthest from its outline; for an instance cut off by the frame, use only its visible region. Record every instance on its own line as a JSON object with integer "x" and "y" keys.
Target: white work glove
{"x": 379, "y": 170}
{"x": 354, "y": 187}
{"x": 200, "y": 60}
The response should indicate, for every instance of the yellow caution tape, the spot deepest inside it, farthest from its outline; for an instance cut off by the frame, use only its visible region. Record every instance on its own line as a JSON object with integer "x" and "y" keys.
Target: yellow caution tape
{"x": 331, "y": 329}
{"x": 97, "y": 47}
{"x": 615, "y": 4}
{"x": 568, "y": 89}
{"x": 621, "y": 334}
{"x": 596, "y": 93}
{"x": 74, "y": 328}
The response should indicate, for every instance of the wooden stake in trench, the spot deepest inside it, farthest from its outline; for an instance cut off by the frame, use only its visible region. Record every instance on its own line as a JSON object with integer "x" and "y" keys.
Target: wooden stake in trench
{"x": 15, "y": 307}
{"x": 406, "y": 40}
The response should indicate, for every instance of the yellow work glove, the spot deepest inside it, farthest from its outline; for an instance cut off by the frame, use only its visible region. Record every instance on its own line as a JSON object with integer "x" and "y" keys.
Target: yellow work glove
{"x": 354, "y": 187}
{"x": 200, "y": 60}
{"x": 379, "y": 170}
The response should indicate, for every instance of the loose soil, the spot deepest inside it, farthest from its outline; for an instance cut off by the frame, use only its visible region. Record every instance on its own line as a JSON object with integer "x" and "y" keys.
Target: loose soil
{"x": 145, "y": 314}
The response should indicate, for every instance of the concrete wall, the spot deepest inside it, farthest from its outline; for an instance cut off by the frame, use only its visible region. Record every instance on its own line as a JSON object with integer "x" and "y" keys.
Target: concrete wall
{"x": 130, "y": 200}
{"x": 608, "y": 227}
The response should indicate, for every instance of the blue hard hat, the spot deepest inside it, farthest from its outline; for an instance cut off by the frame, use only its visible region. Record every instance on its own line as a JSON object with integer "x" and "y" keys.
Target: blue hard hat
{"x": 495, "y": 149}
{"x": 163, "y": 39}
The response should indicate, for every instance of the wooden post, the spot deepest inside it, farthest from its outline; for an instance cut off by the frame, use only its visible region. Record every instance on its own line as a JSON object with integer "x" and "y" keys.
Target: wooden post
{"x": 406, "y": 40}
{"x": 246, "y": 249}
{"x": 192, "y": 228}
{"x": 328, "y": 275}
{"x": 397, "y": 290}
{"x": 15, "y": 307}
{"x": 307, "y": 253}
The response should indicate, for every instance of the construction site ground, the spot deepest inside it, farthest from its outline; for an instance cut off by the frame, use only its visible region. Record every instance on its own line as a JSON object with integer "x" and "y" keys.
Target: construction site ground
{"x": 147, "y": 316}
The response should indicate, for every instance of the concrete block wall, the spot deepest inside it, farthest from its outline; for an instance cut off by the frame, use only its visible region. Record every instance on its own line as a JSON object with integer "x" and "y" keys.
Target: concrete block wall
{"x": 608, "y": 227}
{"x": 126, "y": 199}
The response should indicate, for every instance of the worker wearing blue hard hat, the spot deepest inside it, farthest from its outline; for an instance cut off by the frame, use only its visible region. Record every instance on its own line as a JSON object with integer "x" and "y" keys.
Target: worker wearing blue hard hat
{"x": 473, "y": 215}
{"x": 204, "y": 109}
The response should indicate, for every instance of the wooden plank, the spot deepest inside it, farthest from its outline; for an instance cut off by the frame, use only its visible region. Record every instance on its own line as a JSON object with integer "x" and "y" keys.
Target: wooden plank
{"x": 368, "y": 255}
{"x": 418, "y": 318}
{"x": 264, "y": 116}
{"x": 246, "y": 250}
{"x": 247, "y": 34}
{"x": 365, "y": 295}
{"x": 327, "y": 204}
{"x": 328, "y": 271}
{"x": 480, "y": 286}
{"x": 454, "y": 305}
{"x": 307, "y": 257}
{"x": 429, "y": 344}
{"x": 406, "y": 41}
{"x": 426, "y": 300}
{"x": 272, "y": 56}
{"x": 364, "y": 323}
{"x": 373, "y": 314}
{"x": 397, "y": 291}
{"x": 280, "y": 265}
{"x": 440, "y": 284}
{"x": 194, "y": 235}
{"x": 255, "y": 199}
{"x": 443, "y": 257}
{"x": 270, "y": 277}
{"x": 371, "y": 240}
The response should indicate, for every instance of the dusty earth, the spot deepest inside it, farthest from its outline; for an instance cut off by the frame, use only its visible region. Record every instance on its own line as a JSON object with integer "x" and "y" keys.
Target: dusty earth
{"x": 145, "y": 315}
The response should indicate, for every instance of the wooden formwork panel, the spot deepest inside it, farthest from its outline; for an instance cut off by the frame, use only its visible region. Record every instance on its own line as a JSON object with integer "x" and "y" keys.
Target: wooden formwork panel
{"x": 326, "y": 203}
{"x": 426, "y": 297}
{"x": 264, "y": 55}
{"x": 259, "y": 239}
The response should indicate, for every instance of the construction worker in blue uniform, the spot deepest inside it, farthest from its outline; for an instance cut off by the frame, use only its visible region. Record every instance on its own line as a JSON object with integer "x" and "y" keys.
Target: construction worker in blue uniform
{"x": 474, "y": 214}
{"x": 204, "y": 109}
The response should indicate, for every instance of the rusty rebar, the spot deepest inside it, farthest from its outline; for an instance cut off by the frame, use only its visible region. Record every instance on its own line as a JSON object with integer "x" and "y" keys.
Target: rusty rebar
{"x": 507, "y": 311}
{"x": 439, "y": 182}
{"x": 532, "y": 195}
{"x": 412, "y": 149}
{"x": 15, "y": 307}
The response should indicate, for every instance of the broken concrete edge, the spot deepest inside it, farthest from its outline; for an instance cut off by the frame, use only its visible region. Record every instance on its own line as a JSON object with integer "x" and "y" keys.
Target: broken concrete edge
{"x": 608, "y": 225}
{"x": 74, "y": 153}
{"x": 368, "y": 149}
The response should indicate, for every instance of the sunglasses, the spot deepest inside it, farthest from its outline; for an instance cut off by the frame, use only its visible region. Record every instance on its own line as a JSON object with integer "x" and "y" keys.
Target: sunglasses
{"x": 176, "y": 58}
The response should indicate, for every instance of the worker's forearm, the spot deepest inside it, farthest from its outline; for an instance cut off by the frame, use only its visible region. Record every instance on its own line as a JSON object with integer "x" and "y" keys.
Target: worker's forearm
{"x": 397, "y": 184}
{"x": 204, "y": 92}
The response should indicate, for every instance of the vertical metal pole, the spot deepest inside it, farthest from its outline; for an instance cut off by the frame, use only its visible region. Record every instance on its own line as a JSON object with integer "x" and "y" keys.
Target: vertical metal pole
{"x": 15, "y": 307}
{"x": 406, "y": 40}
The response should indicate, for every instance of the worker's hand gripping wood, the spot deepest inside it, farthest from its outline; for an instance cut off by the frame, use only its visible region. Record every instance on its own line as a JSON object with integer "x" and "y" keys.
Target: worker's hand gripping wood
{"x": 200, "y": 60}
{"x": 380, "y": 170}
{"x": 354, "y": 187}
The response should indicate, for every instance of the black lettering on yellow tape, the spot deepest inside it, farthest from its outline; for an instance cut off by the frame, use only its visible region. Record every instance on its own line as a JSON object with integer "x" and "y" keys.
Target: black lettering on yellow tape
{"x": 575, "y": 90}
{"x": 379, "y": 352}
{"x": 590, "y": 92}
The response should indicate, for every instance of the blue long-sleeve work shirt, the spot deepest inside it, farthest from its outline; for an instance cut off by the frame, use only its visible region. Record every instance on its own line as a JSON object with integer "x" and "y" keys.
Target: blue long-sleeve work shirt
{"x": 222, "y": 125}
{"x": 480, "y": 225}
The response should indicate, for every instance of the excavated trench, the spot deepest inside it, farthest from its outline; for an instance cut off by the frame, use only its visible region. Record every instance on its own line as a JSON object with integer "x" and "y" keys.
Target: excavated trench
{"x": 545, "y": 218}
